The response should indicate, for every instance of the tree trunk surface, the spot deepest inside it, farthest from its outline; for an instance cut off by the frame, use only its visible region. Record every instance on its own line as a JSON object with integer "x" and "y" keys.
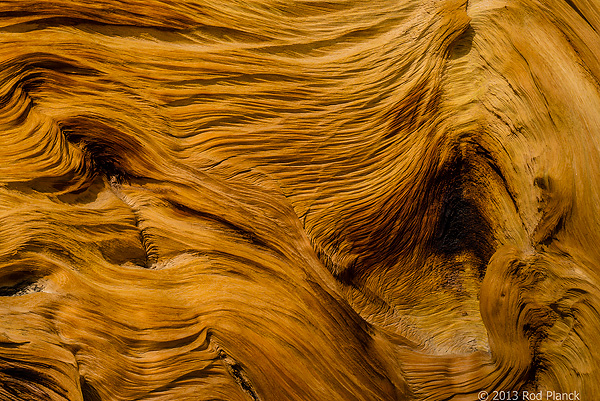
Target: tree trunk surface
{"x": 299, "y": 200}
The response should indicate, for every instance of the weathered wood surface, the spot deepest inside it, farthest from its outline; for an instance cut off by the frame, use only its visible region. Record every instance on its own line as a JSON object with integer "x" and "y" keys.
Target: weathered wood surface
{"x": 299, "y": 200}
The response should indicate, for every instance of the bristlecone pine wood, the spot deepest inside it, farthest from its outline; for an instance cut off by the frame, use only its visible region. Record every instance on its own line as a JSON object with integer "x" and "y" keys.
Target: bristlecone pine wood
{"x": 299, "y": 200}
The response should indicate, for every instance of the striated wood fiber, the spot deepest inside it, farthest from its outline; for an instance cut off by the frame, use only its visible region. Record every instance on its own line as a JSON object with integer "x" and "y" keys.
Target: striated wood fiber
{"x": 299, "y": 200}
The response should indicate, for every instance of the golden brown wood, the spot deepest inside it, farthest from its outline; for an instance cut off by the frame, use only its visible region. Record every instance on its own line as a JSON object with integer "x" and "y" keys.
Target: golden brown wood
{"x": 299, "y": 200}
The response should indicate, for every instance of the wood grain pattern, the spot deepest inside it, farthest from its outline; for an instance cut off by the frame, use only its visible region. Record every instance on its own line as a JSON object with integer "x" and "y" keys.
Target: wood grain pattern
{"x": 299, "y": 200}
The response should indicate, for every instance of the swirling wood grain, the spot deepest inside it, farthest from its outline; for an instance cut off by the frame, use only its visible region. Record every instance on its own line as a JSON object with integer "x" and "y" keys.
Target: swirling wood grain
{"x": 299, "y": 200}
